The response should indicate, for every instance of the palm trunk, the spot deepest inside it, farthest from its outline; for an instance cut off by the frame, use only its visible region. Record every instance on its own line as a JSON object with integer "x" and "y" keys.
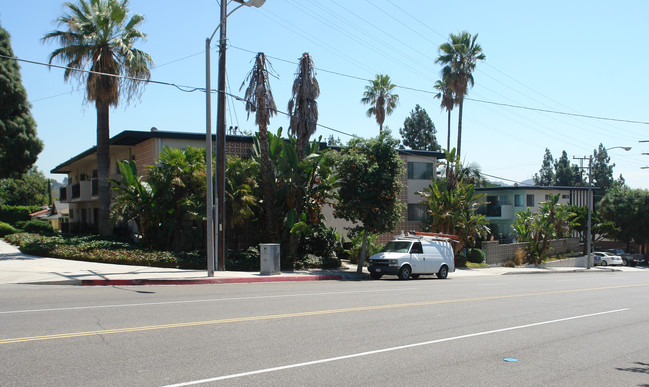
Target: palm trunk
{"x": 361, "y": 259}
{"x": 103, "y": 165}
{"x": 267, "y": 182}
{"x": 459, "y": 130}
{"x": 448, "y": 136}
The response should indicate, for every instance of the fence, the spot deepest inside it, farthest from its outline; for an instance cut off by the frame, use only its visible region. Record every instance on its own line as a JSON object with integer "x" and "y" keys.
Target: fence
{"x": 497, "y": 254}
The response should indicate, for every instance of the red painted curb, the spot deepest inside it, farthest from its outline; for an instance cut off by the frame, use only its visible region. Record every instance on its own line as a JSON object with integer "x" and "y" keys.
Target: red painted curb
{"x": 202, "y": 281}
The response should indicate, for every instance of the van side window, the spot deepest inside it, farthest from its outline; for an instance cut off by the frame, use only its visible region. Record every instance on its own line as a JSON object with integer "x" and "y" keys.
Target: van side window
{"x": 416, "y": 248}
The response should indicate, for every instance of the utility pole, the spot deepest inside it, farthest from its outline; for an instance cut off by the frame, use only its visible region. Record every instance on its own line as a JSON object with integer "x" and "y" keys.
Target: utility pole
{"x": 589, "y": 201}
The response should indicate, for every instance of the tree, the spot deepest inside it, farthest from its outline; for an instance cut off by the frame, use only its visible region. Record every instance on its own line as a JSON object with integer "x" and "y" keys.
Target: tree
{"x": 545, "y": 177}
{"x": 418, "y": 131}
{"x": 602, "y": 172}
{"x": 368, "y": 174}
{"x": 302, "y": 108}
{"x": 564, "y": 173}
{"x": 452, "y": 204}
{"x": 459, "y": 57}
{"x": 538, "y": 229}
{"x": 99, "y": 36}
{"x": 446, "y": 101}
{"x": 629, "y": 209}
{"x": 241, "y": 199}
{"x": 19, "y": 146}
{"x": 29, "y": 189}
{"x": 379, "y": 95}
{"x": 259, "y": 100}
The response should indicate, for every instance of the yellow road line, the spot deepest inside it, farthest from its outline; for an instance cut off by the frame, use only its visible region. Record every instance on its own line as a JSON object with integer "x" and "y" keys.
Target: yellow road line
{"x": 301, "y": 314}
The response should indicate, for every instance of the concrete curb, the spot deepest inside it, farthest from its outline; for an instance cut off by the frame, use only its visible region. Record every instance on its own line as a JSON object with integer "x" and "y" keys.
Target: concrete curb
{"x": 203, "y": 281}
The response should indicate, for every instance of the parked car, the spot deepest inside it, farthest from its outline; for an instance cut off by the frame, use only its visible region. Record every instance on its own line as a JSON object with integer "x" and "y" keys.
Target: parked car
{"x": 413, "y": 255}
{"x": 628, "y": 259}
{"x": 603, "y": 258}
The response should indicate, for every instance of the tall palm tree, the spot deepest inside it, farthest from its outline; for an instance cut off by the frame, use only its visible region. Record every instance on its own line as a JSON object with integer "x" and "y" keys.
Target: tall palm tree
{"x": 98, "y": 35}
{"x": 459, "y": 57}
{"x": 381, "y": 98}
{"x": 447, "y": 101}
{"x": 259, "y": 100}
{"x": 302, "y": 107}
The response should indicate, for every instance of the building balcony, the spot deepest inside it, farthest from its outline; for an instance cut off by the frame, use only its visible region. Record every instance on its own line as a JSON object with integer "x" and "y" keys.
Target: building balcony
{"x": 80, "y": 192}
{"x": 504, "y": 211}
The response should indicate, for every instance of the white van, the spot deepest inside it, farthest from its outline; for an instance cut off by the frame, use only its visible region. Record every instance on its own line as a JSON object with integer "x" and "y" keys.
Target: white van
{"x": 413, "y": 254}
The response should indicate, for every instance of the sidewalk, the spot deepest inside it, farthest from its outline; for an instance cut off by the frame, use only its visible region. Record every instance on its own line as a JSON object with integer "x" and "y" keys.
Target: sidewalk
{"x": 19, "y": 268}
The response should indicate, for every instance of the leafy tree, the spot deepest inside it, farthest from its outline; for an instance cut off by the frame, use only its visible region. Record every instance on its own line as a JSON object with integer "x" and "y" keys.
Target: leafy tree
{"x": 19, "y": 146}
{"x": 602, "y": 172}
{"x": 564, "y": 173}
{"x": 418, "y": 131}
{"x": 629, "y": 209}
{"x": 446, "y": 101}
{"x": 381, "y": 98}
{"x": 168, "y": 208}
{"x": 538, "y": 229}
{"x": 99, "y": 36}
{"x": 259, "y": 100}
{"x": 242, "y": 196}
{"x": 30, "y": 189}
{"x": 333, "y": 141}
{"x": 452, "y": 204}
{"x": 545, "y": 177}
{"x": 302, "y": 108}
{"x": 459, "y": 57}
{"x": 368, "y": 173}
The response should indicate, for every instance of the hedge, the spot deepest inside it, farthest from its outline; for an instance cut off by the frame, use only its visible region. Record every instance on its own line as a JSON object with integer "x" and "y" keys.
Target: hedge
{"x": 13, "y": 214}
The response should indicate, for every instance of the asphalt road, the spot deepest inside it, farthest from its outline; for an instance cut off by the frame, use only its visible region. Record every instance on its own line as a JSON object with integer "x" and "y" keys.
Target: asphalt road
{"x": 511, "y": 330}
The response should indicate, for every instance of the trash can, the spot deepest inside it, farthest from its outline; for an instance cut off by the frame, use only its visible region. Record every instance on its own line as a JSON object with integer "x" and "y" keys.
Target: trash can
{"x": 269, "y": 256}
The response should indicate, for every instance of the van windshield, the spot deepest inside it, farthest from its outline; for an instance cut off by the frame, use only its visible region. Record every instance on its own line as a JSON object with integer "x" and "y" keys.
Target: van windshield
{"x": 396, "y": 247}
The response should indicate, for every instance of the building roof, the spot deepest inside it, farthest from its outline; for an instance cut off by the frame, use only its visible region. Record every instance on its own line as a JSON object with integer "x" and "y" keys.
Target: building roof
{"x": 133, "y": 137}
{"x": 533, "y": 187}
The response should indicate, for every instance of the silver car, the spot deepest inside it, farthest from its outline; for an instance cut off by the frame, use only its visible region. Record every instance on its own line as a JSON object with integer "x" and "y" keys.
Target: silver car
{"x": 605, "y": 259}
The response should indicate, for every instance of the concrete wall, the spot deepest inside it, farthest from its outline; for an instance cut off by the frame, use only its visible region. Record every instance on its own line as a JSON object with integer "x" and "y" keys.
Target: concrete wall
{"x": 497, "y": 254}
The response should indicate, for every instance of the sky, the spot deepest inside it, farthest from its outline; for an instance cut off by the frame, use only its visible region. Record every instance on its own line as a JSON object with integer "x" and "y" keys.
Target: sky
{"x": 578, "y": 57}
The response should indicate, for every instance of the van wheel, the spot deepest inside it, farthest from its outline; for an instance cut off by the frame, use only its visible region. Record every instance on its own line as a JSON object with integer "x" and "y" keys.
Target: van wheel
{"x": 604, "y": 263}
{"x": 443, "y": 272}
{"x": 376, "y": 276}
{"x": 404, "y": 272}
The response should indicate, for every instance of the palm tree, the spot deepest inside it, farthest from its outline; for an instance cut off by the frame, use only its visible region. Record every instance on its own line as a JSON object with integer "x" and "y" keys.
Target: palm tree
{"x": 447, "y": 101}
{"x": 459, "y": 58}
{"x": 379, "y": 95}
{"x": 259, "y": 100}
{"x": 99, "y": 36}
{"x": 302, "y": 107}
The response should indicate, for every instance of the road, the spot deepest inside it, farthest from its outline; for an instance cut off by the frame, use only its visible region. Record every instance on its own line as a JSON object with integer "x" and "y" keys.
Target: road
{"x": 510, "y": 330}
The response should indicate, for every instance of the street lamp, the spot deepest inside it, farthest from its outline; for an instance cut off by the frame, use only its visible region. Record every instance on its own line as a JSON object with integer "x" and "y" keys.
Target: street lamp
{"x": 590, "y": 204}
{"x": 220, "y": 135}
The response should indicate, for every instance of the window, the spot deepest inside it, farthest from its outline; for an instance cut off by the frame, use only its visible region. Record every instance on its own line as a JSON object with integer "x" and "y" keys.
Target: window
{"x": 417, "y": 213}
{"x": 565, "y": 196}
{"x": 421, "y": 171}
{"x": 518, "y": 200}
{"x": 547, "y": 197}
{"x": 416, "y": 248}
{"x": 530, "y": 200}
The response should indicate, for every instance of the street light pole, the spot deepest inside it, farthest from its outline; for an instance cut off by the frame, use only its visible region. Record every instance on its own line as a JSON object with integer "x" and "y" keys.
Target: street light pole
{"x": 216, "y": 247}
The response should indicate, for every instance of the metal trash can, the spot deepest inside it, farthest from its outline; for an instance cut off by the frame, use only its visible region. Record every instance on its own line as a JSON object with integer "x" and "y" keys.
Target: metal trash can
{"x": 269, "y": 254}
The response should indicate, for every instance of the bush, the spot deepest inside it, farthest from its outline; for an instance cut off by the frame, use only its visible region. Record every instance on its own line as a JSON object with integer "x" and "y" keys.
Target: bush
{"x": 475, "y": 255}
{"x": 460, "y": 260}
{"x": 509, "y": 264}
{"x": 245, "y": 260}
{"x": 38, "y": 227}
{"x": 519, "y": 256}
{"x": 357, "y": 243}
{"x": 321, "y": 241}
{"x": 311, "y": 261}
{"x": 13, "y": 214}
{"x": 6, "y": 229}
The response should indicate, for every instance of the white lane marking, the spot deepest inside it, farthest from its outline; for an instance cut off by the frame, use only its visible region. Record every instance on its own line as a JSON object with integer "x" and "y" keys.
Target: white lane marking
{"x": 203, "y": 300}
{"x": 368, "y": 353}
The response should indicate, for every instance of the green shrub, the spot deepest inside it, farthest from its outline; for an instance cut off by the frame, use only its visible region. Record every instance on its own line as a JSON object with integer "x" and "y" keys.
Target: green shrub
{"x": 6, "y": 229}
{"x": 357, "y": 243}
{"x": 245, "y": 260}
{"x": 475, "y": 255}
{"x": 311, "y": 261}
{"x": 321, "y": 241}
{"x": 460, "y": 260}
{"x": 38, "y": 227}
{"x": 13, "y": 214}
